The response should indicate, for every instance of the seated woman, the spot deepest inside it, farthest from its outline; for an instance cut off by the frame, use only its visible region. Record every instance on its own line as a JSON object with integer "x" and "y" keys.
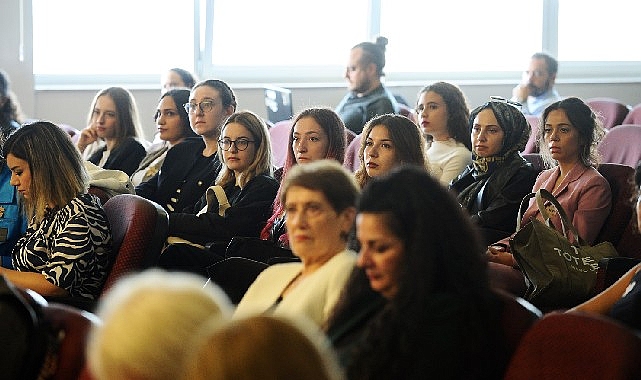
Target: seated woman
{"x": 191, "y": 166}
{"x": 172, "y": 123}
{"x": 432, "y": 310}
{"x": 442, "y": 114}
{"x": 319, "y": 200}
{"x": 261, "y": 347}
{"x": 389, "y": 140}
{"x": 113, "y": 118}
{"x": 317, "y": 133}
{"x": 66, "y": 250}
{"x": 491, "y": 189}
{"x": 248, "y": 186}
{"x": 622, "y": 300}
{"x": 568, "y": 139}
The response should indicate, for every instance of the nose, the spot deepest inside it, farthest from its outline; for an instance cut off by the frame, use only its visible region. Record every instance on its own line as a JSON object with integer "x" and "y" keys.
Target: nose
{"x": 372, "y": 152}
{"x": 482, "y": 136}
{"x": 301, "y": 145}
{"x": 296, "y": 220}
{"x": 363, "y": 258}
{"x": 554, "y": 136}
{"x": 13, "y": 181}
{"x": 233, "y": 147}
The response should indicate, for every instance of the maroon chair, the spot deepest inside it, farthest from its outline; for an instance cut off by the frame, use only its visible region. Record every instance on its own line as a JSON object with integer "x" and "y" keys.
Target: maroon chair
{"x": 139, "y": 229}
{"x": 351, "y": 161}
{"x": 517, "y": 316}
{"x": 634, "y": 116}
{"x": 622, "y": 145}
{"x": 279, "y": 136}
{"x": 611, "y": 111}
{"x": 620, "y": 179}
{"x": 576, "y": 346}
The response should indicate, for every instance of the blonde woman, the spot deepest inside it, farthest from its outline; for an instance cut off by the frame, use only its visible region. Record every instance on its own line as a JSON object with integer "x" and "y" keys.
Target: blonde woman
{"x": 249, "y": 188}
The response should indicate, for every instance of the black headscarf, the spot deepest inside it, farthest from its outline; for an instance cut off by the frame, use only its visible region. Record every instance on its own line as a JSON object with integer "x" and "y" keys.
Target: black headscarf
{"x": 516, "y": 132}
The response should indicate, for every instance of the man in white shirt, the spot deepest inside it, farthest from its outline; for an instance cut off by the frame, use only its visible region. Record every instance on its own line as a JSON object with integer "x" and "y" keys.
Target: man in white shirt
{"x": 536, "y": 90}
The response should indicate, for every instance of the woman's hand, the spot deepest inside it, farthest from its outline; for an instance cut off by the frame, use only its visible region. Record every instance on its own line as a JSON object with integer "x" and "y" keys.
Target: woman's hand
{"x": 87, "y": 136}
{"x": 499, "y": 254}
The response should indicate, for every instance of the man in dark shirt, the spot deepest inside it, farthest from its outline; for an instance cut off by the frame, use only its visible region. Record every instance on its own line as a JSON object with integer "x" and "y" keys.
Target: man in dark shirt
{"x": 367, "y": 96}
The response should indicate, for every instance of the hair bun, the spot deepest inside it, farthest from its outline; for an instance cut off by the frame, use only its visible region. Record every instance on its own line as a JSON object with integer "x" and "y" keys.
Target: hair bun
{"x": 381, "y": 41}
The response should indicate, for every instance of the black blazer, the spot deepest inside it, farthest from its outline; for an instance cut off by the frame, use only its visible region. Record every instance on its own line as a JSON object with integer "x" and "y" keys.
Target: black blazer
{"x": 250, "y": 209}
{"x": 183, "y": 177}
{"x": 126, "y": 156}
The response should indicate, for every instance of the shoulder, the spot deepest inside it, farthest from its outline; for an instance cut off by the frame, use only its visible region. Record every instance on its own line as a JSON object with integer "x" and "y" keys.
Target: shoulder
{"x": 279, "y": 272}
{"x": 263, "y": 181}
{"x": 188, "y": 145}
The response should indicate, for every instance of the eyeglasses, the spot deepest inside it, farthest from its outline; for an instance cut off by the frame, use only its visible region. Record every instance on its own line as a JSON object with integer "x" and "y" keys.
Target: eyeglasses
{"x": 205, "y": 106}
{"x": 506, "y": 101}
{"x": 241, "y": 144}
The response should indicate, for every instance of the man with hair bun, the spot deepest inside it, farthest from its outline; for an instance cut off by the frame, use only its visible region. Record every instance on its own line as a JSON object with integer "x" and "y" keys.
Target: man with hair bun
{"x": 367, "y": 97}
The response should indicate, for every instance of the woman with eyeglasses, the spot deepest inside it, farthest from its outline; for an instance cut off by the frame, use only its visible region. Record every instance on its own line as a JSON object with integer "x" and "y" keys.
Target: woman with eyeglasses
{"x": 113, "y": 119}
{"x": 442, "y": 114}
{"x": 491, "y": 188}
{"x": 192, "y": 165}
{"x": 568, "y": 138}
{"x": 249, "y": 191}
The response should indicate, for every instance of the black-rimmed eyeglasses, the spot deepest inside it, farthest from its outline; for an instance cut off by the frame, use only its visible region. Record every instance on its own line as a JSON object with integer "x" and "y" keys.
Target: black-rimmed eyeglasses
{"x": 241, "y": 144}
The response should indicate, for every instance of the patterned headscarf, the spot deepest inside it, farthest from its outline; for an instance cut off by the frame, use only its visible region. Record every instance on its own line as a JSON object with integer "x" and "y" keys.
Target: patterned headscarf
{"x": 516, "y": 132}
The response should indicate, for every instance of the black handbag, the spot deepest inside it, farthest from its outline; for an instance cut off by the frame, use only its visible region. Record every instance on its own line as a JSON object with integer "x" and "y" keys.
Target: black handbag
{"x": 557, "y": 272}
{"x": 256, "y": 249}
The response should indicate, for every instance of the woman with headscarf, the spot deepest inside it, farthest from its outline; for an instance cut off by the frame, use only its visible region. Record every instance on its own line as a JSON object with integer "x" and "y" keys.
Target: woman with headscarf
{"x": 492, "y": 187}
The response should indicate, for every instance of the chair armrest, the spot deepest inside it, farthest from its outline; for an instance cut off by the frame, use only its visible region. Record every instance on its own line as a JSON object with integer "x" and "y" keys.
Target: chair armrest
{"x": 610, "y": 270}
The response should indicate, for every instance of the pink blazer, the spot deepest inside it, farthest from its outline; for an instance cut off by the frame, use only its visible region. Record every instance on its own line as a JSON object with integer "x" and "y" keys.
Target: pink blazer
{"x": 584, "y": 194}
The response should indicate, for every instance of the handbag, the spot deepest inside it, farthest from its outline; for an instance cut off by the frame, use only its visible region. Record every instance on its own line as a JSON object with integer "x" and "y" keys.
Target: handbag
{"x": 256, "y": 249}
{"x": 558, "y": 273}
{"x": 212, "y": 192}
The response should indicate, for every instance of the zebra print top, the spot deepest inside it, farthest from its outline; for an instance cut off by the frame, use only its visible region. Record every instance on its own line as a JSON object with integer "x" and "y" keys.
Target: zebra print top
{"x": 71, "y": 247}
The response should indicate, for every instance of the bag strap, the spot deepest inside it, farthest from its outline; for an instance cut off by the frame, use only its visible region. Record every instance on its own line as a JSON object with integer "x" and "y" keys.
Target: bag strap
{"x": 524, "y": 202}
{"x": 542, "y": 195}
{"x": 218, "y": 192}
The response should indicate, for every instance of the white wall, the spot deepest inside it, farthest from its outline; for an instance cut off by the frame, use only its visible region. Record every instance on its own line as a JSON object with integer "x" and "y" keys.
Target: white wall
{"x": 71, "y": 106}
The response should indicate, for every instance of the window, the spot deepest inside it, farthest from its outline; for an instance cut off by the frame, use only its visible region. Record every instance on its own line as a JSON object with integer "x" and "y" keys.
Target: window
{"x": 113, "y": 41}
{"x": 278, "y": 40}
{"x": 287, "y": 41}
{"x": 438, "y": 36}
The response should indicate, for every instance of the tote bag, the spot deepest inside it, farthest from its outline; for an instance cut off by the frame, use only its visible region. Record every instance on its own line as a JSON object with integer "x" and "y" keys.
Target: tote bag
{"x": 558, "y": 273}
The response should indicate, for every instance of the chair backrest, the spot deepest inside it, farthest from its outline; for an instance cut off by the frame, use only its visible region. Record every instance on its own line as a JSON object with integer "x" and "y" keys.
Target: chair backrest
{"x": 351, "y": 161}
{"x": 518, "y": 316}
{"x": 611, "y": 111}
{"x": 535, "y": 159}
{"x": 634, "y": 116}
{"x": 620, "y": 179}
{"x": 622, "y": 145}
{"x": 76, "y": 325}
{"x": 530, "y": 146}
{"x": 576, "y": 345}
{"x": 349, "y": 136}
{"x": 139, "y": 229}
{"x": 279, "y": 136}
{"x": 234, "y": 275}
{"x": 407, "y": 111}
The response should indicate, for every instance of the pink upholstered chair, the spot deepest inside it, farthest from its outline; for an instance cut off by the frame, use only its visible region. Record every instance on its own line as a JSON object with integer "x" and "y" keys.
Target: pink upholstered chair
{"x": 622, "y": 145}
{"x": 634, "y": 116}
{"x": 279, "y": 136}
{"x": 351, "y": 161}
{"x": 530, "y": 146}
{"x": 611, "y": 111}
